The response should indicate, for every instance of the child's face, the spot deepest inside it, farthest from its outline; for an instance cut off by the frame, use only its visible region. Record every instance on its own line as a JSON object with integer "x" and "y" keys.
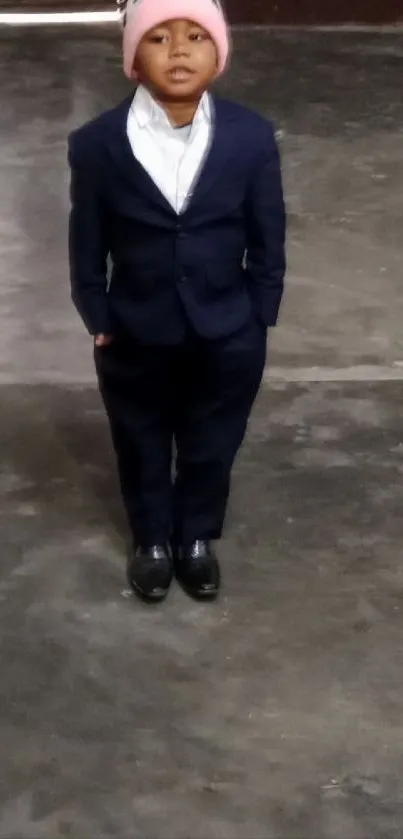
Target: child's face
{"x": 177, "y": 60}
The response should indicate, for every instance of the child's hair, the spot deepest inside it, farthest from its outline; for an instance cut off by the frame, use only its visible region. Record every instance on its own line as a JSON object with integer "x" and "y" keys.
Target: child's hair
{"x": 139, "y": 16}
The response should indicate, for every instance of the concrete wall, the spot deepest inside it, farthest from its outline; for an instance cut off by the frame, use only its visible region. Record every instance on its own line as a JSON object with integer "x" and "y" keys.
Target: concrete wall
{"x": 315, "y": 11}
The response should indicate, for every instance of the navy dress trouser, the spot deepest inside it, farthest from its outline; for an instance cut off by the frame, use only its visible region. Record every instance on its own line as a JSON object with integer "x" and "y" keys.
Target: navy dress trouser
{"x": 197, "y": 396}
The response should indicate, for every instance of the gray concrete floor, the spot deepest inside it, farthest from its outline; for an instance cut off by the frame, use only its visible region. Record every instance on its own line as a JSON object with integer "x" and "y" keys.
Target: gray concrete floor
{"x": 275, "y": 713}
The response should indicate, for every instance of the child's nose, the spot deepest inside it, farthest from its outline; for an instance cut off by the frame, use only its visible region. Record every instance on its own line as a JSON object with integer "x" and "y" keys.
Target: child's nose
{"x": 180, "y": 46}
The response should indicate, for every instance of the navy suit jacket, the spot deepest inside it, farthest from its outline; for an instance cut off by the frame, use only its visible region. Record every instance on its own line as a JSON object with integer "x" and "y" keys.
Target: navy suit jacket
{"x": 214, "y": 266}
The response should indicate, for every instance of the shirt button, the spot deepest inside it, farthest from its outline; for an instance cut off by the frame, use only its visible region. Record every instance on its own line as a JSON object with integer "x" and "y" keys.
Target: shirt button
{"x": 183, "y": 279}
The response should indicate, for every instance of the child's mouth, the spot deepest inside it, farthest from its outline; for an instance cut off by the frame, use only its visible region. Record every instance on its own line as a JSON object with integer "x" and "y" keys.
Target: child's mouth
{"x": 180, "y": 74}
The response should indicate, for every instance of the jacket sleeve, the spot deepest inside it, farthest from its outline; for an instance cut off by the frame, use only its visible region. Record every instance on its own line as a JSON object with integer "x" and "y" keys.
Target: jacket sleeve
{"x": 265, "y": 234}
{"x": 88, "y": 248}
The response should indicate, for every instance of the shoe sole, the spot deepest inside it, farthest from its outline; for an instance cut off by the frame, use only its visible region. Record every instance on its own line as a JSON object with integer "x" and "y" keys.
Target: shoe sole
{"x": 200, "y": 595}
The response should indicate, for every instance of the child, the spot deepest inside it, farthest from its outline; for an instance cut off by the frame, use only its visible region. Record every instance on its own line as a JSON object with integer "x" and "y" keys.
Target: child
{"x": 183, "y": 191}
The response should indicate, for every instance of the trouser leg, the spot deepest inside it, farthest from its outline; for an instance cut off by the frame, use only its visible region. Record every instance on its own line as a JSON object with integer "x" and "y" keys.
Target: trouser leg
{"x": 137, "y": 387}
{"x": 220, "y": 381}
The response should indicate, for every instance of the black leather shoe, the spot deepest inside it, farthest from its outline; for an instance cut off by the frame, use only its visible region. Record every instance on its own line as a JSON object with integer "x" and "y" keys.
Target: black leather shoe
{"x": 197, "y": 570}
{"x": 150, "y": 572}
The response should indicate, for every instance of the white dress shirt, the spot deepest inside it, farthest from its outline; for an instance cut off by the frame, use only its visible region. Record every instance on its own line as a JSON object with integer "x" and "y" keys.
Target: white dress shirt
{"x": 173, "y": 157}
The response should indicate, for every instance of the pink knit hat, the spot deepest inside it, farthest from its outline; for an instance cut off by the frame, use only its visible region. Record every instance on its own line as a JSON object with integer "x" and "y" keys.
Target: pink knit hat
{"x": 143, "y": 15}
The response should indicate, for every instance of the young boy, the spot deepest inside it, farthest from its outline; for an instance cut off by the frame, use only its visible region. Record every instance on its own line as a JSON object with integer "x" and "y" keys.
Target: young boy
{"x": 182, "y": 191}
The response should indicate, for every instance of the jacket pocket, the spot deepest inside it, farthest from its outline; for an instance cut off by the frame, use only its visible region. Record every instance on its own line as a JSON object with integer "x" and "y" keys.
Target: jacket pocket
{"x": 224, "y": 274}
{"x": 134, "y": 281}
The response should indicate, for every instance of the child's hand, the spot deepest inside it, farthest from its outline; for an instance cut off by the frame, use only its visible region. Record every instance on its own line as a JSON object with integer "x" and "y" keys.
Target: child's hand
{"x": 103, "y": 340}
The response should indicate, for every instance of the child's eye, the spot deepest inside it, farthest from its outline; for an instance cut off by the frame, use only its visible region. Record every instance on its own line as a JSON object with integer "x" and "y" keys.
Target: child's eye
{"x": 158, "y": 39}
{"x": 198, "y": 36}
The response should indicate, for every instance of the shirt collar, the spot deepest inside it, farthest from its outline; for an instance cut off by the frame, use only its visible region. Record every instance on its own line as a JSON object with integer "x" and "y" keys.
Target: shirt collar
{"x": 146, "y": 110}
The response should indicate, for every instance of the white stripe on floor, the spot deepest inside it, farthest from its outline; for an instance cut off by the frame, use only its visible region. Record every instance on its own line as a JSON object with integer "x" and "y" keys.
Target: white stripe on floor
{"x": 271, "y": 376}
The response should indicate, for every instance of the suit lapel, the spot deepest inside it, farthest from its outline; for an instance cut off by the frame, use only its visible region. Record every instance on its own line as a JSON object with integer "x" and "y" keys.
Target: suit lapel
{"x": 222, "y": 148}
{"x": 123, "y": 157}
